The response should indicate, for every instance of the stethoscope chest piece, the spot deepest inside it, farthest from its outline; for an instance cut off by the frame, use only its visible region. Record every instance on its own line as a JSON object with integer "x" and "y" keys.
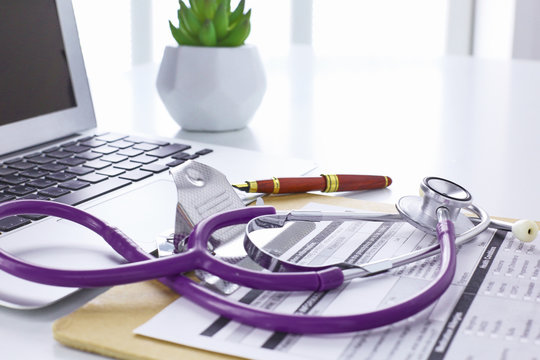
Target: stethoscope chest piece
{"x": 421, "y": 211}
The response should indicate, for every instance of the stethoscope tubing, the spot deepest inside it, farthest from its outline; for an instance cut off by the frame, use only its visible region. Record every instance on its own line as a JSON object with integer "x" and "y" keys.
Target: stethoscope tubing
{"x": 309, "y": 324}
{"x": 143, "y": 263}
{"x": 143, "y": 267}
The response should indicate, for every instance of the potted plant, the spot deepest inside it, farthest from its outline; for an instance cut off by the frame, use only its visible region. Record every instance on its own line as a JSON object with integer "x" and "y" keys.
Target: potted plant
{"x": 211, "y": 81}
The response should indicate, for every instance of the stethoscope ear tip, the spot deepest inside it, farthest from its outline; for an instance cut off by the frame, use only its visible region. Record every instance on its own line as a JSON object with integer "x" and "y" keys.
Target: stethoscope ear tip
{"x": 525, "y": 230}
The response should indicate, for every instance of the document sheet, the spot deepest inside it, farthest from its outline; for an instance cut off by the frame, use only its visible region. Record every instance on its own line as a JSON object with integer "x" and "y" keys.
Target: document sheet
{"x": 491, "y": 310}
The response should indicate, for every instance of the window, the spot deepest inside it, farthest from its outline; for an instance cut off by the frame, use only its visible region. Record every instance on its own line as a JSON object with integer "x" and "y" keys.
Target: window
{"x": 116, "y": 34}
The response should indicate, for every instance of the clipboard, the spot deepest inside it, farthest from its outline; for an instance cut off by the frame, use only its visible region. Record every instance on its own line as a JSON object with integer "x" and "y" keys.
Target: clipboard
{"x": 105, "y": 324}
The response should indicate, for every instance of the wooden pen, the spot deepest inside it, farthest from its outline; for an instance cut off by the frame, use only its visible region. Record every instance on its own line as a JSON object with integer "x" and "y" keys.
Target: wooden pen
{"x": 326, "y": 183}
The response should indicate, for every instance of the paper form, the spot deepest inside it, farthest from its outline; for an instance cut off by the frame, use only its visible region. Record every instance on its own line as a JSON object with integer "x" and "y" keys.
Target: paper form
{"x": 491, "y": 310}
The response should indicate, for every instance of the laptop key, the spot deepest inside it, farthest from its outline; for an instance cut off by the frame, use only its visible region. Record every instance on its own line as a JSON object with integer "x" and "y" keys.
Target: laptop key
{"x": 93, "y": 143}
{"x": 51, "y": 149}
{"x": 69, "y": 143}
{"x": 113, "y": 158}
{"x": 97, "y": 164}
{"x": 176, "y": 162}
{"x": 11, "y": 161}
{"x": 31, "y": 155}
{"x": 20, "y": 190}
{"x": 53, "y": 192}
{"x": 105, "y": 150}
{"x": 22, "y": 165}
{"x": 74, "y": 185}
{"x": 33, "y": 173}
{"x": 91, "y": 192}
{"x": 41, "y": 160}
{"x": 59, "y": 154}
{"x": 12, "y": 223}
{"x": 71, "y": 161}
{"x": 34, "y": 217}
{"x": 76, "y": 148}
{"x": 155, "y": 168}
{"x": 79, "y": 170}
{"x": 6, "y": 197}
{"x": 53, "y": 167}
{"x": 93, "y": 178}
{"x": 86, "y": 138}
{"x": 135, "y": 175}
{"x": 60, "y": 176}
{"x": 110, "y": 171}
{"x": 41, "y": 183}
{"x": 121, "y": 144}
{"x": 35, "y": 197}
{"x": 88, "y": 155}
{"x": 181, "y": 156}
{"x": 168, "y": 150}
{"x": 204, "y": 151}
{"x": 145, "y": 146}
{"x": 7, "y": 171}
{"x": 12, "y": 179}
{"x": 130, "y": 152}
{"x": 127, "y": 165}
{"x": 143, "y": 159}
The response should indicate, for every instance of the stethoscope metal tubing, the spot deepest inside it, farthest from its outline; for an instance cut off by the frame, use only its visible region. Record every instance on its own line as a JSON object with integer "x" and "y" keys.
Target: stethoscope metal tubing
{"x": 369, "y": 269}
{"x": 363, "y": 270}
{"x": 495, "y": 224}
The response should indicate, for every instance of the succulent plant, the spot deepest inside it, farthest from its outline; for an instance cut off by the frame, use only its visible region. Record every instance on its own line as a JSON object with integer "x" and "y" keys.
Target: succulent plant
{"x": 211, "y": 23}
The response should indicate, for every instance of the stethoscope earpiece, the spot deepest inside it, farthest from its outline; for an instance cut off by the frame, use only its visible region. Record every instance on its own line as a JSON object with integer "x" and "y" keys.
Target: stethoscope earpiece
{"x": 525, "y": 230}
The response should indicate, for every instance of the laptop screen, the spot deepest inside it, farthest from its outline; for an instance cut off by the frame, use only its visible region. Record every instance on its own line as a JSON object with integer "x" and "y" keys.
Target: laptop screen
{"x": 35, "y": 79}
{"x": 44, "y": 92}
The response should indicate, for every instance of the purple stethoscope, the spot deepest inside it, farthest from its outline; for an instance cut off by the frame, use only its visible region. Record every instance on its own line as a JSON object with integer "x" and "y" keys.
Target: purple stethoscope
{"x": 437, "y": 211}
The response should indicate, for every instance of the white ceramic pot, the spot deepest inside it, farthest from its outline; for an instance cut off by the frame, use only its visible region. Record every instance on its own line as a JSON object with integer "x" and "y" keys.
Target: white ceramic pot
{"x": 211, "y": 88}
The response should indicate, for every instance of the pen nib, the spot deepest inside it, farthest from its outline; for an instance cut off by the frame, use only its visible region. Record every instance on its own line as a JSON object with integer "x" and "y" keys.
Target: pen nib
{"x": 242, "y": 187}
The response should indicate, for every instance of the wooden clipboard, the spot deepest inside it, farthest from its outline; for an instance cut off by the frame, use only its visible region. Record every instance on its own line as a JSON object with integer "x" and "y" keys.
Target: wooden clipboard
{"x": 105, "y": 324}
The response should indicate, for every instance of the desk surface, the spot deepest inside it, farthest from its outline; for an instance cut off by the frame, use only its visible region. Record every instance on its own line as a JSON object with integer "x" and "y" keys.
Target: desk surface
{"x": 473, "y": 121}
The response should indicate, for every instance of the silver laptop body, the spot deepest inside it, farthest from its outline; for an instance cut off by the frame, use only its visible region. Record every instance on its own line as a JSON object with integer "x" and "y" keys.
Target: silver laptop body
{"x": 45, "y": 104}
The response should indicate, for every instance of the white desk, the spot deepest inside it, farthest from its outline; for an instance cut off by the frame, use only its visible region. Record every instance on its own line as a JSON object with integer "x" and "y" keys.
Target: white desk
{"x": 473, "y": 121}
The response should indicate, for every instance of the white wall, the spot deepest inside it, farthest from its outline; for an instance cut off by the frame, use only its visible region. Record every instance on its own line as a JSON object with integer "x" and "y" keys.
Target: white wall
{"x": 527, "y": 30}
{"x": 117, "y": 34}
{"x": 494, "y": 28}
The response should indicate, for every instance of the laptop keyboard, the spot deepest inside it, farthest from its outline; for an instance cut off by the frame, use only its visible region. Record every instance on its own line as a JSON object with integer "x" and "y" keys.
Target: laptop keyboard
{"x": 83, "y": 169}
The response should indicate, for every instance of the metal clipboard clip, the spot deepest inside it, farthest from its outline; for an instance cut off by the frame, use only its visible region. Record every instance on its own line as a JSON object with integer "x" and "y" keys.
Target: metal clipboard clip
{"x": 203, "y": 191}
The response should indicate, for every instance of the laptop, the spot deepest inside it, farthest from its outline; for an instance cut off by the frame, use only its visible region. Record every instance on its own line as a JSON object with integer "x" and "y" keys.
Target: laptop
{"x": 51, "y": 149}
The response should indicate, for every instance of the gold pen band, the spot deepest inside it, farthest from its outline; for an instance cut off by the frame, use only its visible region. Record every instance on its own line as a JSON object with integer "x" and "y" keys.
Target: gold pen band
{"x": 386, "y": 181}
{"x": 276, "y": 185}
{"x": 252, "y": 186}
{"x": 332, "y": 183}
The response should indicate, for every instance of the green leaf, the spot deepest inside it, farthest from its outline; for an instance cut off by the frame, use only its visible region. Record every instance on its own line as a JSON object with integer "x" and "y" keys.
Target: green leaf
{"x": 209, "y": 8}
{"x": 227, "y": 6}
{"x": 181, "y": 37}
{"x": 189, "y": 19}
{"x": 236, "y": 14}
{"x": 221, "y": 21}
{"x": 239, "y": 34}
{"x": 207, "y": 35}
{"x": 197, "y": 7}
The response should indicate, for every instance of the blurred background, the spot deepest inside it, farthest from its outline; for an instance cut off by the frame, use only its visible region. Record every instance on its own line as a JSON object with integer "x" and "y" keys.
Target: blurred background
{"x": 116, "y": 35}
